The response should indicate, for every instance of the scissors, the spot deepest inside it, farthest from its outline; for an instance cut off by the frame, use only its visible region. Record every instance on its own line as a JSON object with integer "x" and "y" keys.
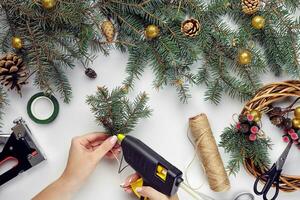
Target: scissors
{"x": 272, "y": 177}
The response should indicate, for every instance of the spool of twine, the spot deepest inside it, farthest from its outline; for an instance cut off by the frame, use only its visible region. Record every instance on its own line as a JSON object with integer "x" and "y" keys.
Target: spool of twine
{"x": 208, "y": 153}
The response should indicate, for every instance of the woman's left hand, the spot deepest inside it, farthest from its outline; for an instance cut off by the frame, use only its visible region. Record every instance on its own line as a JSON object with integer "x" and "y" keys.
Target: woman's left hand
{"x": 85, "y": 154}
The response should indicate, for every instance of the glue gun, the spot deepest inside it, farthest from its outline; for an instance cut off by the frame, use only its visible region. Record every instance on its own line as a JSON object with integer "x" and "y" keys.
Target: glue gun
{"x": 155, "y": 171}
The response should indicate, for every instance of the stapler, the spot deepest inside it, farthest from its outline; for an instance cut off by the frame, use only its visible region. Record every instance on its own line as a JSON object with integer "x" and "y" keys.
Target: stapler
{"x": 21, "y": 147}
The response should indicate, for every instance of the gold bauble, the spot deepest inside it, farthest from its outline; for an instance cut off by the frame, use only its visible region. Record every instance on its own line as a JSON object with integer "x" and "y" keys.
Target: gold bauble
{"x": 297, "y": 112}
{"x": 17, "y": 43}
{"x": 258, "y": 22}
{"x": 152, "y": 31}
{"x": 296, "y": 123}
{"x": 245, "y": 57}
{"x": 48, "y": 4}
{"x": 256, "y": 115}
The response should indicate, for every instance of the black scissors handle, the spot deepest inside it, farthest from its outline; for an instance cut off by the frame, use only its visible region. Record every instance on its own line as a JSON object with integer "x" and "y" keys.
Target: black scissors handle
{"x": 272, "y": 178}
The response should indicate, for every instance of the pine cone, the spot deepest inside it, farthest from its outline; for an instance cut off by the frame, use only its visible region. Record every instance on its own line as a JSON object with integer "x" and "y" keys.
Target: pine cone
{"x": 190, "y": 27}
{"x": 277, "y": 120}
{"x": 275, "y": 111}
{"x": 108, "y": 30}
{"x": 13, "y": 73}
{"x": 250, "y": 6}
{"x": 90, "y": 73}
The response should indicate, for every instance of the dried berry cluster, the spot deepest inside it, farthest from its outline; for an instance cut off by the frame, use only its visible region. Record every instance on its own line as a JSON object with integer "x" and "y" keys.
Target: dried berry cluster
{"x": 248, "y": 126}
{"x": 279, "y": 117}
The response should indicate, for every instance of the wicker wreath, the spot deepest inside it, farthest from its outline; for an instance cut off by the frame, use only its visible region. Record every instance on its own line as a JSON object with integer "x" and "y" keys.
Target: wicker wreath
{"x": 257, "y": 162}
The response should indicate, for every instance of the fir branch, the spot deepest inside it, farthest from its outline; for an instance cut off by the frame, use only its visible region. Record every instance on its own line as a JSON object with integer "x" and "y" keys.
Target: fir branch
{"x": 59, "y": 79}
{"x": 115, "y": 112}
{"x": 240, "y": 148}
{"x": 52, "y": 39}
{"x": 71, "y": 31}
{"x": 214, "y": 92}
{"x": 41, "y": 77}
{"x": 135, "y": 65}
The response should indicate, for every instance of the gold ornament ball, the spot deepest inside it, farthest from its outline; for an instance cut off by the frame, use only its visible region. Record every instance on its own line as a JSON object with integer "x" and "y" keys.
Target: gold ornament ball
{"x": 258, "y": 22}
{"x": 297, "y": 112}
{"x": 152, "y": 31}
{"x": 49, "y": 4}
{"x": 17, "y": 43}
{"x": 245, "y": 57}
{"x": 296, "y": 123}
{"x": 256, "y": 115}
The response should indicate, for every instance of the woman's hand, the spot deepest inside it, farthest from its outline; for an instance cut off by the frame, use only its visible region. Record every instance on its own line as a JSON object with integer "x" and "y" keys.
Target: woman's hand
{"x": 148, "y": 192}
{"x": 85, "y": 153}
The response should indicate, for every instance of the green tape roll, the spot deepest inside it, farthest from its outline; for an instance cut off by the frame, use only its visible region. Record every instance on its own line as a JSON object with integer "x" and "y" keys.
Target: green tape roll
{"x": 32, "y": 114}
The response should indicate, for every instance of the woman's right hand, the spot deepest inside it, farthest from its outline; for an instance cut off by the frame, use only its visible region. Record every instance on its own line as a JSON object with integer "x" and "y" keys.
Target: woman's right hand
{"x": 145, "y": 191}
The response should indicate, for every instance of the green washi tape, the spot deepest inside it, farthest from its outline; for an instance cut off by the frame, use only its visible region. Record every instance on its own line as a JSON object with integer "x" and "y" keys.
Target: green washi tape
{"x": 32, "y": 112}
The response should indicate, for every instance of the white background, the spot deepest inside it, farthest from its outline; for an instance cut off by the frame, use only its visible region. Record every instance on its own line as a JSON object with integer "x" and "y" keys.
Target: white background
{"x": 165, "y": 131}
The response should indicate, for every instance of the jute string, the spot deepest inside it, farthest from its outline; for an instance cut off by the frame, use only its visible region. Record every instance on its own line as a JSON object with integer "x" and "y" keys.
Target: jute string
{"x": 208, "y": 153}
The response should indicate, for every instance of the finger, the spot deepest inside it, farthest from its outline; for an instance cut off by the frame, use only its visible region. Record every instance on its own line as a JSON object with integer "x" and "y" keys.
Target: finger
{"x": 175, "y": 197}
{"x": 91, "y": 138}
{"x": 130, "y": 179}
{"x": 96, "y": 136}
{"x": 105, "y": 147}
{"x": 113, "y": 154}
{"x": 98, "y": 143}
{"x": 128, "y": 190}
{"x": 150, "y": 193}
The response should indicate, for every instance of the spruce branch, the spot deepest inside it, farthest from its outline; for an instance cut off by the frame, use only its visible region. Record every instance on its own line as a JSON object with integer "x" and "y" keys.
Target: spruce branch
{"x": 52, "y": 39}
{"x": 240, "y": 148}
{"x": 115, "y": 112}
{"x": 72, "y": 31}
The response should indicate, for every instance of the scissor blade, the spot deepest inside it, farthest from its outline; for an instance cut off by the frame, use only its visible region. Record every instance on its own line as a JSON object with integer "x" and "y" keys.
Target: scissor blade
{"x": 280, "y": 162}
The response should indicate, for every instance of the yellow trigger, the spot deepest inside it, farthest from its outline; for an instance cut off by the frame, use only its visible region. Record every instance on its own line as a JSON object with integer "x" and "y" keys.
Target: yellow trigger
{"x": 138, "y": 184}
{"x": 162, "y": 172}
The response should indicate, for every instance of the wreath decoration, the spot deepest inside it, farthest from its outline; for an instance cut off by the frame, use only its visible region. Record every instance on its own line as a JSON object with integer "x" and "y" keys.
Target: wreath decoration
{"x": 246, "y": 142}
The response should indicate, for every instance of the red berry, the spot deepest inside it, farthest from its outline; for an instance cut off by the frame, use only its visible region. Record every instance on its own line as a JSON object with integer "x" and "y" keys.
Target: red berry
{"x": 252, "y": 137}
{"x": 286, "y": 139}
{"x": 294, "y": 136}
{"x": 254, "y": 129}
{"x": 250, "y": 118}
{"x": 238, "y": 126}
{"x": 291, "y": 131}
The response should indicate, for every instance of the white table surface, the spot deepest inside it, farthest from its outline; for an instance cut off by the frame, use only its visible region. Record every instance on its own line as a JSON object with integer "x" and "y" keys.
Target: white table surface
{"x": 165, "y": 131}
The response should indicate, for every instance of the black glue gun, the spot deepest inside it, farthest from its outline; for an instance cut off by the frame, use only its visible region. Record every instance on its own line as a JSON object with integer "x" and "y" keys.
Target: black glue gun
{"x": 155, "y": 171}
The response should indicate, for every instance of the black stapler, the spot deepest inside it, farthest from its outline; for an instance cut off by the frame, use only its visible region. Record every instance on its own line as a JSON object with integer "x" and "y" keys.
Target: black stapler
{"x": 21, "y": 147}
